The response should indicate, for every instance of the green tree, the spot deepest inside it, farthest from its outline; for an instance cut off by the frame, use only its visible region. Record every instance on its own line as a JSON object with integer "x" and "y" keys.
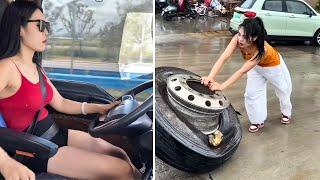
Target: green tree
{"x": 52, "y": 14}
{"x": 78, "y": 22}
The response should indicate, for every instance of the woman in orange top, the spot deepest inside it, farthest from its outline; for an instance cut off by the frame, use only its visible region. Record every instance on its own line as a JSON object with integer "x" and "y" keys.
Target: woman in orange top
{"x": 263, "y": 64}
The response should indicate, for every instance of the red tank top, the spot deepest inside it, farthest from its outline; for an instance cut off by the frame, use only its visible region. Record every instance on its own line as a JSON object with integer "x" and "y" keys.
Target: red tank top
{"x": 20, "y": 109}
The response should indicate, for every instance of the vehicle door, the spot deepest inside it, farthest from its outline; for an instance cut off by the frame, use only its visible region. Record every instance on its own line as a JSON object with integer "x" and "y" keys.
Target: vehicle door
{"x": 301, "y": 19}
{"x": 274, "y": 17}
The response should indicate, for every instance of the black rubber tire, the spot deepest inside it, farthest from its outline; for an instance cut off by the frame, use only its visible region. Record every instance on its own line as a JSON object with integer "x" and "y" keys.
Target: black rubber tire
{"x": 316, "y": 38}
{"x": 180, "y": 151}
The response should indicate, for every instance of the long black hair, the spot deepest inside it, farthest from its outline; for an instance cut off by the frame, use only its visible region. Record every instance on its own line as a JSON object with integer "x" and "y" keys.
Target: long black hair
{"x": 253, "y": 27}
{"x": 15, "y": 15}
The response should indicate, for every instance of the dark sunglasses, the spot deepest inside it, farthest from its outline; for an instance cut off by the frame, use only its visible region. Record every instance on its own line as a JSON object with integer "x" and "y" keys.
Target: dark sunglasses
{"x": 42, "y": 25}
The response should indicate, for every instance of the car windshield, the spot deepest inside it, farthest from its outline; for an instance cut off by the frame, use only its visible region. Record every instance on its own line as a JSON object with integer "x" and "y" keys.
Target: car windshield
{"x": 108, "y": 43}
{"x": 247, "y": 4}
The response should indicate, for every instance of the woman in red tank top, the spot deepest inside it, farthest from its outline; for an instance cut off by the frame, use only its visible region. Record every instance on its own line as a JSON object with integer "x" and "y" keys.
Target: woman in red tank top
{"x": 263, "y": 64}
{"x": 24, "y": 32}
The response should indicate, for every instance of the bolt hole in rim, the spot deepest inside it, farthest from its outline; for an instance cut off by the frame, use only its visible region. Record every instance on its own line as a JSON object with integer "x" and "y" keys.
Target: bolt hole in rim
{"x": 191, "y": 97}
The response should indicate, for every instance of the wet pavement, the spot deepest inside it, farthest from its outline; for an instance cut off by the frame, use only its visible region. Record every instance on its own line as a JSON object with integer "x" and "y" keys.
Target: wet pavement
{"x": 278, "y": 151}
{"x": 188, "y": 25}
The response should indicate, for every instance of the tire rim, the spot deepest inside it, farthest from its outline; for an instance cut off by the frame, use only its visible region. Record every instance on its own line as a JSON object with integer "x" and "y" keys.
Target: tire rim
{"x": 318, "y": 38}
{"x": 196, "y": 103}
{"x": 189, "y": 91}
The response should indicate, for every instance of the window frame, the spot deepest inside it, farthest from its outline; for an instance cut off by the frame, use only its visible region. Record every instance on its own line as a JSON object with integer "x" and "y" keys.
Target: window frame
{"x": 308, "y": 7}
{"x": 282, "y": 4}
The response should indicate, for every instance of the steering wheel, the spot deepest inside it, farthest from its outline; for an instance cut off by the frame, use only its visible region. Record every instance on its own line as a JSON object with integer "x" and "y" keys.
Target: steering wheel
{"x": 124, "y": 114}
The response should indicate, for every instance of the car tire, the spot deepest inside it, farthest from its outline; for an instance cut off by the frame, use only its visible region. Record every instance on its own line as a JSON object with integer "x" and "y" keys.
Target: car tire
{"x": 183, "y": 152}
{"x": 316, "y": 38}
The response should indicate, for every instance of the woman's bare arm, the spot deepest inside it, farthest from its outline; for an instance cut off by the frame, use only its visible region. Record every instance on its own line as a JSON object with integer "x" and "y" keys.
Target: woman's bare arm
{"x": 237, "y": 75}
{"x": 11, "y": 169}
{"x": 224, "y": 57}
{"x": 68, "y": 106}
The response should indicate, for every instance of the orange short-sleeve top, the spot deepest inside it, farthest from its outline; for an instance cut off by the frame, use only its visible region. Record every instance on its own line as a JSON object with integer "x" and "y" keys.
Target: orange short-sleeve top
{"x": 271, "y": 57}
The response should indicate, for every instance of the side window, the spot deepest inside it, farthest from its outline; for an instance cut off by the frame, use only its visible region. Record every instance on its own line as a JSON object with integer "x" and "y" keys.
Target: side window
{"x": 272, "y": 5}
{"x": 297, "y": 7}
{"x": 247, "y": 4}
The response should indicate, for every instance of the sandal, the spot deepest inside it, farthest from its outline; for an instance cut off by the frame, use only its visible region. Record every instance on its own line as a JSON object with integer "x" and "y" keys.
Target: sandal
{"x": 255, "y": 127}
{"x": 285, "y": 119}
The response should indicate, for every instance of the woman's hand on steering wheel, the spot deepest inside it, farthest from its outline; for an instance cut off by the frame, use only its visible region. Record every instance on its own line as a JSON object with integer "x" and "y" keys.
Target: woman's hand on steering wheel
{"x": 120, "y": 118}
{"x": 104, "y": 108}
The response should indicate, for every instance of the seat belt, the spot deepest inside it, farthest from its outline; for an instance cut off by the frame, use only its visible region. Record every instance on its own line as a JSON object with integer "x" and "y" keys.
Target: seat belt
{"x": 53, "y": 130}
{"x": 44, "y": 96}
{"x": 50, "y": 132}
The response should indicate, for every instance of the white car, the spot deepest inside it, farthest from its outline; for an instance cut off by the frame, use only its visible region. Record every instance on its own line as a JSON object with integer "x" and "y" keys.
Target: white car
{"x": 283, "y": 19}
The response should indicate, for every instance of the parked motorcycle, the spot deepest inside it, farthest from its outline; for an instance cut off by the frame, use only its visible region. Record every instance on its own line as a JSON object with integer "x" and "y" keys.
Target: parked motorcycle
{"x": 180, "y": 8}
{"x": 200, "y": 8}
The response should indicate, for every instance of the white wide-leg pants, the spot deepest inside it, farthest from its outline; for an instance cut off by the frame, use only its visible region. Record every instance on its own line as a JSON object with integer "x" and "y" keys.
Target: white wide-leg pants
{"x": 256, "y": 91}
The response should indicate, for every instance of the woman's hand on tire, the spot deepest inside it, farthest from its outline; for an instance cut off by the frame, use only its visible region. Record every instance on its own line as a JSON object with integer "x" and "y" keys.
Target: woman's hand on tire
{"x": 206, "y": 80}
